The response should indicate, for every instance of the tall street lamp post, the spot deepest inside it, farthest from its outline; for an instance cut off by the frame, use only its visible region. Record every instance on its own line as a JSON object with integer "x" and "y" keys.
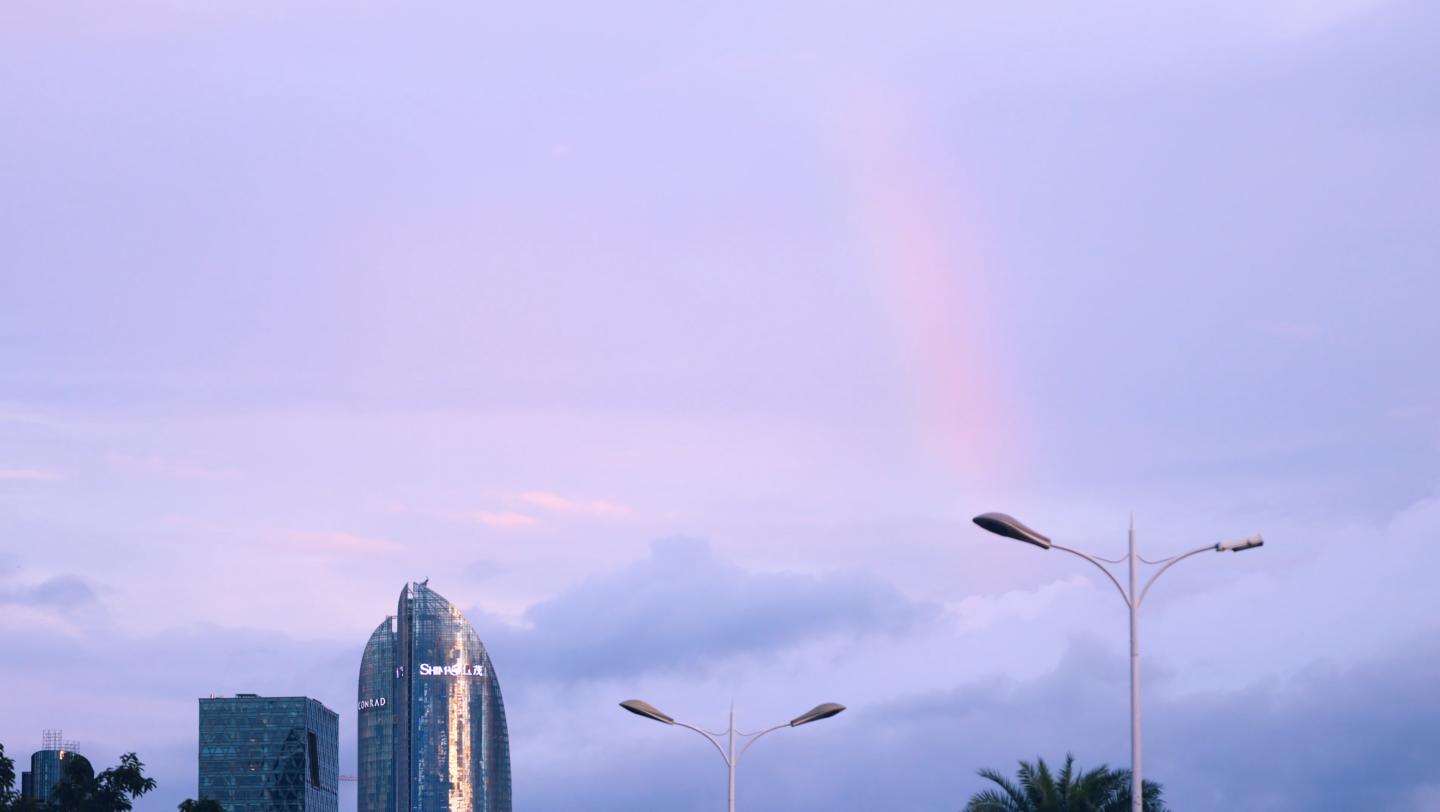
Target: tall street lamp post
{"x": 1003, "y": 525}
{"x": 731, "y": 757}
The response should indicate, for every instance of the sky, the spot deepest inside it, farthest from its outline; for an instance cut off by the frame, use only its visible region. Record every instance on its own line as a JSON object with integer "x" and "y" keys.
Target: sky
{"x": 677, "y": 344}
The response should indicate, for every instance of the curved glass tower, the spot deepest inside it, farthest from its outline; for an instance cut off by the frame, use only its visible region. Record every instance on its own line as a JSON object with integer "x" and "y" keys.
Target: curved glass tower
{"x": 376, "y": 715}
{"x": 47, "y": 767}
{"x": 432, "y": 722}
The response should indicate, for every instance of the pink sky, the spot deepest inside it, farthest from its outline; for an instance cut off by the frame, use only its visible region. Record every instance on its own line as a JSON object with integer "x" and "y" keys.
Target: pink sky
{"x": 678, "y": 345}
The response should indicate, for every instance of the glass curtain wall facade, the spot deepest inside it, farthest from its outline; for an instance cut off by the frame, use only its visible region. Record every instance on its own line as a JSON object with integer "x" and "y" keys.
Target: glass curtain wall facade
{"x": 375, "y": 771}
{"x": 46, "y": 767}
{"x": 269, "y": 754}
{"x": 450, "y": 747}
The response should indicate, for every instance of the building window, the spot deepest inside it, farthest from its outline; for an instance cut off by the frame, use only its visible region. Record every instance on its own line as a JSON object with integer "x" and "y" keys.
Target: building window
{"x": 314, "y": 759}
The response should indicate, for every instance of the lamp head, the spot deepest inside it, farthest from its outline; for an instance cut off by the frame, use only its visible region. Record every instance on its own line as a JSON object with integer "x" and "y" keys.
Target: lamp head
{"x": 1240, "y": 544}
{"x": 817, "y": 713}
{"x": 647, "y": 710}
{"x": 1002, "y": 525}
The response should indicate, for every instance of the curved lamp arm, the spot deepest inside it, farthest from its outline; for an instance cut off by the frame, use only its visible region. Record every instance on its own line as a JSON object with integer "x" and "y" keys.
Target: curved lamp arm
{"x": 649, "y": 711}
{"x": 755, "y": 738}
{"x": 1172, "y": 562}
{"x": 713, "y": 738}
{"x": 1002, "y": 524}
{"x": 1108, "y": 574}
{"x": 645, "y": 709}
{"x": 815, "y": 714}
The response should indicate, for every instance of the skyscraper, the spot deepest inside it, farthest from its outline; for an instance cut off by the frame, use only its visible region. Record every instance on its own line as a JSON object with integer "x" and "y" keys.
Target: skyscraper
{"x": 376, "y": 721}
{"x": 269, "y": 754}
{"x": 432, "y": 734}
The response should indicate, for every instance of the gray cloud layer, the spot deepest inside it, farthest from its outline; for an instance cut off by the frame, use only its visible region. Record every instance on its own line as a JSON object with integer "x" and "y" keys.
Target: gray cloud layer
{"x": 63, "y": 592}
{"x": 683, "y": 609}
{"x": 1328, "y": 738}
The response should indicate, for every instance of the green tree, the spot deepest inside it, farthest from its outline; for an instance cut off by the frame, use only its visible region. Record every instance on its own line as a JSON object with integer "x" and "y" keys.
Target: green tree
{"x": 10, "y": 799}
{"x": 114, "y": 790}
{"x": 1037, "y": 789}
{"x": 202, "y": 805}
{"x": 7, "y": 780}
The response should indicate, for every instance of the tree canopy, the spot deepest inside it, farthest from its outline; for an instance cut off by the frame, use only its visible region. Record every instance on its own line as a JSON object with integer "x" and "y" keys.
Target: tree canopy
{"x": 10, "y": 798}
{"x": 1037, "y": 789}
{"x": 80, "y": 789}
{"x": 114, "y": 790}
{"x": 7, "y": 780}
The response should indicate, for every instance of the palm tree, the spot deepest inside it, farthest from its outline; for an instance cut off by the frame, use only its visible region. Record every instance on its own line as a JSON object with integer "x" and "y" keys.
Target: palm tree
{"x": 1072, "y": 790}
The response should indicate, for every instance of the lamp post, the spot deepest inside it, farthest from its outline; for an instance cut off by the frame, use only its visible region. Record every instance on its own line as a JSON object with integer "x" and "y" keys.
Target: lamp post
{"x": 1010, "y": 527}
{"x": 731, "y": 757}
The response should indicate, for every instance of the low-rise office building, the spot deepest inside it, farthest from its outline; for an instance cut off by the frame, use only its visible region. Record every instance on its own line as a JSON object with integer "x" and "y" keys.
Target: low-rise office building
{"x": 269, "y": 754}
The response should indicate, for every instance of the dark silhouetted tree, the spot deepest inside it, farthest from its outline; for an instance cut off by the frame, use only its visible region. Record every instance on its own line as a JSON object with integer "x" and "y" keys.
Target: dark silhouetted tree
{"x": 114, "y": 790}
{"x": 10, "y": 799}
{"x": 7, "y": 780}
{"x": 202, "y": 805}
{"x": 1036, "y": 789}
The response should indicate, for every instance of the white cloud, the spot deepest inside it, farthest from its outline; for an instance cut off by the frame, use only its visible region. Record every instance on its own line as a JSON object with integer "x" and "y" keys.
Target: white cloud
{"x": 503, "y": 519}
{"x": 550, "y": 503}
{"x": 169, "y": 466}
{"x": 983, "y": 611}
{"x": 1425, "y": 798}
{"x": 560, "y": 504}
{"x": 332, "y": 542}
{"x": 27, "y": 473}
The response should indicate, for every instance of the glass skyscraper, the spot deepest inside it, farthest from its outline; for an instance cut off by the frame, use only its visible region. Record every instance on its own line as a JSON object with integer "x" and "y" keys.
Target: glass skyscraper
{"x": 432, "y": 731}
{"x": 269, "y": 754}
{"x": 376, "y": 720}
{"x": 48, "y": 765}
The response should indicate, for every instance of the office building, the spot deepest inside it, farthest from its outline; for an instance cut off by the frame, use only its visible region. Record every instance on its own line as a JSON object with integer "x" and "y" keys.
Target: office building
{"x": 432, "y": 734}
{"x": 47, "y": 765}
{"x": 269, "y": 753}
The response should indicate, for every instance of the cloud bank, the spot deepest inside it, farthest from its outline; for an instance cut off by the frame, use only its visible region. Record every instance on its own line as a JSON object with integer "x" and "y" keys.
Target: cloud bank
{"x": 682, "y": 609}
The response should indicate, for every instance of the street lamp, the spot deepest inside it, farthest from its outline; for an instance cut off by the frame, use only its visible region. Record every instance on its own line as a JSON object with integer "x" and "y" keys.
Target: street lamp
{"x": 815, "y": 714}
{"x": 1010, "y": 527}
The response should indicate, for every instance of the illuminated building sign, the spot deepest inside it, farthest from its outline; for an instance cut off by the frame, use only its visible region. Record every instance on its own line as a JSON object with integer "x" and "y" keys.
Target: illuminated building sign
{"x": 378, "y": 702}
{"x": 428, "y": 670}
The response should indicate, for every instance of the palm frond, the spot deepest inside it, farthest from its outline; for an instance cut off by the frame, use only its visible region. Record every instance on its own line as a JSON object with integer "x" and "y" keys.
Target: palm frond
{"x": 1012, "y": 792}
{"x": 1072, "y": 789}
{"x": 992, "y": 801}
{"x": 1150, "y": 795}
{"x": 1038, "y": 783}
{"x": 1064, "y": 777}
